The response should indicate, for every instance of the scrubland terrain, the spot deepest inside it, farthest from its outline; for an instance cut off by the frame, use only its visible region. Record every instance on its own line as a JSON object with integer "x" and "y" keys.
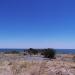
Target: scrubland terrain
{"x": 11, "y": 64}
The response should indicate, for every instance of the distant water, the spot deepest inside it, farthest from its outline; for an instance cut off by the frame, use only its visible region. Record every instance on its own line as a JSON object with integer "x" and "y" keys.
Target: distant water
{"x": 7, "y": 50}
{"x": 64, "y": 51}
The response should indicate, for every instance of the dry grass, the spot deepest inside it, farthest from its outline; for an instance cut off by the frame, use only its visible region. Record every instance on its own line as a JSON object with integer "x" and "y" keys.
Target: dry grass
{"x": 45, "y": 67}
{"x": 35, "y": 67}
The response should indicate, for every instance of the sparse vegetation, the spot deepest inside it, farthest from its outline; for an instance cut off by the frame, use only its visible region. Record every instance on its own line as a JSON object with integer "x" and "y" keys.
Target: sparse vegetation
{"x": 73, "y": 58}
{"x": 22, "y": 66}
{"x": 37, "y": 68}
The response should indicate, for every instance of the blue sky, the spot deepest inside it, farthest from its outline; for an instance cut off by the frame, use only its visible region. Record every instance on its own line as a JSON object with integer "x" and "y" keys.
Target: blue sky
{"x": 37, "y": 23}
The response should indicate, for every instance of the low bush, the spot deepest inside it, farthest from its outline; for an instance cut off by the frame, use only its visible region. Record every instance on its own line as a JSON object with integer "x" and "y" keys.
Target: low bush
{"x": 49, "y": 53}
{"x": 32, "y": 51}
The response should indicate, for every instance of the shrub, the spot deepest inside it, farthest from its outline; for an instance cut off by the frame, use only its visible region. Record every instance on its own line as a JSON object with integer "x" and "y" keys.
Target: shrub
{"x": 49, "y": 53}
{"x": 73, "y": 58}
{"x": 32, "y": 51}
{"x": 24, "y": 54}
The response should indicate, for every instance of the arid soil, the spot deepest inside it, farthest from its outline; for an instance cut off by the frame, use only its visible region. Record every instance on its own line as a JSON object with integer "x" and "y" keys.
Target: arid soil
{"x": 42, "y": 67}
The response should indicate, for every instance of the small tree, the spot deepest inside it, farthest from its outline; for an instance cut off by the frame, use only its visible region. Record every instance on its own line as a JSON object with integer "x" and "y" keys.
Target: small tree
{"x": 32, "y": 51}
{"x": 49, "y": 53}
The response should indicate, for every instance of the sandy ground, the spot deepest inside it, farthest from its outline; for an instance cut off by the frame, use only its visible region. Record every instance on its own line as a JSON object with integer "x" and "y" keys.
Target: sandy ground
{"x": 42, "y": 67}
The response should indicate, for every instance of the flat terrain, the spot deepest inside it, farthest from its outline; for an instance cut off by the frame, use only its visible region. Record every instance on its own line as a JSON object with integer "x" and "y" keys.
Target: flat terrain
{"x": 18, "y": 65}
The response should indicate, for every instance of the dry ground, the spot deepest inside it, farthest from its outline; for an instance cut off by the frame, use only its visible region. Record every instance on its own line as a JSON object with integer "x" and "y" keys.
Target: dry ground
{"x": 44, "y": 67}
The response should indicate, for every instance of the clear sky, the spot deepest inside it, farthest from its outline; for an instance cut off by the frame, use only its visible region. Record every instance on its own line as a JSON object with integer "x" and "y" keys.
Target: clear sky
{"x": 37, "y": 23}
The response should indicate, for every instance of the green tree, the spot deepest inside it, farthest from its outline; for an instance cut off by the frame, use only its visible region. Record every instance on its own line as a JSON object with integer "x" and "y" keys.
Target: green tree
{"x": 32, "y": 51}
{"x": 49, "y": 53}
